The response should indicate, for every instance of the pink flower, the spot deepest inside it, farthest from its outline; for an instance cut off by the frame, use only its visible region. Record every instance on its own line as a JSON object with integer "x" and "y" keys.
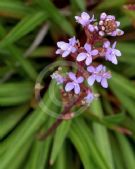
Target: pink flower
{"x": 98, "y": 74}
{"x": 74, "y": 84}
{"x": 66, "y": 48}
{"x": 111, "y": 53}
{"x": 84, "y": 19}
{"x": 87, "y": 56}
{"x": 105, "y": 18}
{"x": 89, "y": 98}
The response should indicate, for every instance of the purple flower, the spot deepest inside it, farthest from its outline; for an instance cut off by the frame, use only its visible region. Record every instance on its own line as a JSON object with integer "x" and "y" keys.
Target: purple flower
{"x": 89, "y": 98}
{"x": 74, "y": 84}
{"x": 59, "y": 79}
{"x": 111, "y": 53}
{"x": 66, "y": 48}
{"x": 92, "y": 28}
{"x": 98, "y": 74}
{"x": 84, "y": 19}
{"x": 87, "y": 56}
{"x": 115, "y": 24}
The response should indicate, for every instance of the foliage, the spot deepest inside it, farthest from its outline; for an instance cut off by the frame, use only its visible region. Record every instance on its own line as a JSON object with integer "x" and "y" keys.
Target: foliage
{"x": 103, "y": 136}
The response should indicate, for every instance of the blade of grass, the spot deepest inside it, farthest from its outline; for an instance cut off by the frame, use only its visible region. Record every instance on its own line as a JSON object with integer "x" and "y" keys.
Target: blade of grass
{"x": 127, "y": 152}
{"x": 101, "y": 135}
{"x": 127, "y": 102}
{"x": 29, "y": 127}
{"x": 59, "y": 138}
{"x": 118, "y": 160}
{"x": 14, "y": 9}
{"x": 128, "y": 52}
{"x": 39, "y": 152}
{"x": 15, "y": 93}
{"x": 17, "y": 56}
{"x": 16, "y": 88}
{"x": 82, "y": 149}
{"x": 10, "y": 117}
{"x": 124, "y": 84}
{"x": 110, "y": 4}
{"x": 78, "y": 126}
{"x": 81, "y": 4}
{"x": 56, "y": 16}
{"x": 47, "y": 52}
{"x": 61, "y": 162}
{"x": 21, "y": 157}
{"x": 26, "y": 25}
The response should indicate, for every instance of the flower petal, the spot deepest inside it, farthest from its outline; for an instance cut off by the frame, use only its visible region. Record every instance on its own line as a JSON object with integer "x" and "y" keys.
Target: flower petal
{"x": 77, "y": 89}
{"x": 114, "y": 59}
{"x": 72, "y": 41}
{"x": 103, "y": 16}
{"x": 59, "y": 51}
{"x": 91, "y": 28}
{"x": 73, "y": 50}
{"x": 104, "y": 83}
{"x": 87, "y": 47}
{"x": 119, "y": 32}
{"x": 117, "y": 52}
{"x": 88, "y": 60}
{"x": 69, "y": 86}
{"x": 91, "y": 80}
{"x": 99, "y": 68}
{"x": 80, "y": 79}
{"x": 82, "y": 56}
{"x": 94, "y": 52}
{"x": 101, "y": 33}
{"x": 62, "y": 45}
{"x": 89, "y": 98}
{"x": 106, "y": 44}
{"x": 65, "y": 53}
{"x": 91, "y": 69}
{"x": 118, "y": 23}
{"x": 98, "y": 78}
{"x": 114, "y": 45}
{"x": 111, "y": 17}
{"x": 72, "y": 76}
{"x": 85, "y": 16}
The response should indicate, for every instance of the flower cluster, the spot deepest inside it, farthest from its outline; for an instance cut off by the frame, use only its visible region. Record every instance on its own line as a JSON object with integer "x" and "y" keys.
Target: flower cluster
{"x": 87, "y": 56}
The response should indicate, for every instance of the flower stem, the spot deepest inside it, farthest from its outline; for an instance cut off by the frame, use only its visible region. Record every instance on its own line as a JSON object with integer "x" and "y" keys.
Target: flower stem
{"x": 67, "y": 109}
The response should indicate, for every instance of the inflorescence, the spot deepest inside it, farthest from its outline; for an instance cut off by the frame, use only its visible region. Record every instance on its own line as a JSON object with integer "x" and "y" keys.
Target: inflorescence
{"x": 87, "y": 56}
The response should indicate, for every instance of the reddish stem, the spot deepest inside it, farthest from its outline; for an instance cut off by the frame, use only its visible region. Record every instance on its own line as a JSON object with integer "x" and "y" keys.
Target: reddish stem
{"x": 59, "y": 120}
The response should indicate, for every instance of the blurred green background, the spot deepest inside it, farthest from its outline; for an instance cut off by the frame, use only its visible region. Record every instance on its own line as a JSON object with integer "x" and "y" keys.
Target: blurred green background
{"x": 103, "y": 137}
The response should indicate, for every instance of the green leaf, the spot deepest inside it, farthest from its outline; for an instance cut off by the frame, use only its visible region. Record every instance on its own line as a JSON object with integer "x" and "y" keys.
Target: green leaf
{"x": 101, "y": 135}
{"x": 128, "y": 52}
{"x": 46, "y": 52}
{"x": 18, "y": 56}
{"x": 81, "y": 4}
{"x": 29, "y": 128}
{"x": 59, "y": 138}
{"x": 127, "y": 152}
{"x": 123, "y": 84}
{"x": 10, "y": 117}
{"x": 16, "y": 88}
{"x": 15, "y": 93}
{"x": 126, "y": 101}
{"x": 25, "y": 26}
{"x": 14, "y": 9}
{"x": 118, "y": 160}
{"x": 82, "y": 149}
{"x": 56, "y": 16}
{"x": 115, "y": 119}
{"x": 21, "y": 157}
{"x": 111, "y": 4}
{"x": 61, "y": 162}
{"x": 87, "y": 143}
